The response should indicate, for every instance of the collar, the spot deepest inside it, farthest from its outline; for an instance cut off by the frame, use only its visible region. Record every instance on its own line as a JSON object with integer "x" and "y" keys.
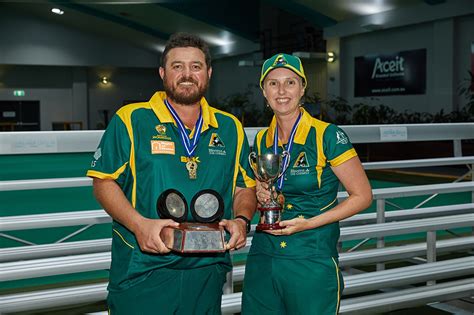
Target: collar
{"x": 301, "y": 132}
{"x": 163, "y": 114}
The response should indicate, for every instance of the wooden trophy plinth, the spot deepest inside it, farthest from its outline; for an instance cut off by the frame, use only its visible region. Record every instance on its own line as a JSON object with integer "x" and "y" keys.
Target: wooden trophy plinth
{"x": 194, "y": 238}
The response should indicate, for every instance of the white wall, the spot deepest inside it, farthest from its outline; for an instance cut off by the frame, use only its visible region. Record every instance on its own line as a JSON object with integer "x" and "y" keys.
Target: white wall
{"x": 27, "y": 40}
{"x": 57, "y": 66}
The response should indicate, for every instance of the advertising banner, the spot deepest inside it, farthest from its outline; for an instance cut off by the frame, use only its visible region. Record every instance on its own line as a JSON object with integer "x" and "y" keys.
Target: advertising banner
{"x": 400, "y": 73}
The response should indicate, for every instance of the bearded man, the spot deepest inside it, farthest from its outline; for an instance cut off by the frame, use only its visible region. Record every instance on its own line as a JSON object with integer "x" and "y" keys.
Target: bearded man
{"x": 169, "y": 143}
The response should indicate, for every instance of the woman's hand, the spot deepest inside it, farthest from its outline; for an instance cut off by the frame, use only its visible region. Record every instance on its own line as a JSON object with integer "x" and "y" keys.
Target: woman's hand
{"x": 291, "y": 227}
{"x": 263, "y": 192}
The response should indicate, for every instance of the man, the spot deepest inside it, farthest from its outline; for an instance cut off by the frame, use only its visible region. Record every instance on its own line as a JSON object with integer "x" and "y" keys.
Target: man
{"x": 170, "y": 143}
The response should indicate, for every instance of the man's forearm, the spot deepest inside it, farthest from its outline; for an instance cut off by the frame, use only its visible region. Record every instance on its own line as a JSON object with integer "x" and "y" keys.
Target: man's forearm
{"x": 245, "y": 202}
{"x": 109, "y": 194}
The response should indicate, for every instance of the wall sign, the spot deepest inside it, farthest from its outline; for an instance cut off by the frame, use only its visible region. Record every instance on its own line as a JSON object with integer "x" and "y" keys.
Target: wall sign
{"x": 400, "y": 73}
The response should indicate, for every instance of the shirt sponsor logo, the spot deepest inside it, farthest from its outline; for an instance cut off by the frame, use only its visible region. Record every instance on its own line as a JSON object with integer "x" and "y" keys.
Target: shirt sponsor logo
{"x": 341, "y": 138}
{"x": 162, "y": 147}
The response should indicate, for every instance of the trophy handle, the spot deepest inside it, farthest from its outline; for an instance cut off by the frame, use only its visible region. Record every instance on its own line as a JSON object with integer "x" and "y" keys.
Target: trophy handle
{"x": 252, "y": 162}
{"x": 284, "y": 154}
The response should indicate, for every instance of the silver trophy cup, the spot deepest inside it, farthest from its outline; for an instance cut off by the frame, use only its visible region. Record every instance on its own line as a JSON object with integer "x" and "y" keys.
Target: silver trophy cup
{"x": 269, "y": 168}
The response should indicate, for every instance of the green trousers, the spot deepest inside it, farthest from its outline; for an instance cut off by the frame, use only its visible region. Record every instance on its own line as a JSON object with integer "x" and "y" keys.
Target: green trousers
{"x": 170, "y": 291}
{"x": 279, "y": 286}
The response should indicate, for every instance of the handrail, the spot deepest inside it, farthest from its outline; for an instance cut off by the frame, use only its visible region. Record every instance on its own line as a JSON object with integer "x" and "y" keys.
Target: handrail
{"x": 354, "y": 283}
{"x": 69, "y": 182}
{"x": 34, "y": 268}
{"x": 36, "y": 142}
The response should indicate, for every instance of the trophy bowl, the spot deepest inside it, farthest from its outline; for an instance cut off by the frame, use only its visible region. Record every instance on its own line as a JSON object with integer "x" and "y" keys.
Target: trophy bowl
{"x": 269, "y": 168}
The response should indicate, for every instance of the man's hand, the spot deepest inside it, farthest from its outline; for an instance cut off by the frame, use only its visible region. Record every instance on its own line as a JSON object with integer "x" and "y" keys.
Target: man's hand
{"x": 238, "y": 235}
{"x": 148, "y": 235}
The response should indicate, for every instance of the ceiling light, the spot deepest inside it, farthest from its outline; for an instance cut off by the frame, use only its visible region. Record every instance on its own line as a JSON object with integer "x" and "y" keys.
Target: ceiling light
{"x": 331, "y": 56}
{"x": 57, "y": 11}
{"x": 104, "y": 80}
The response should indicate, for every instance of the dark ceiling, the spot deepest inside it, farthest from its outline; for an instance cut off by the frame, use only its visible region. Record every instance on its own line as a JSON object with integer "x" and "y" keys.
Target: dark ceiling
{"x": 230, "y": 27}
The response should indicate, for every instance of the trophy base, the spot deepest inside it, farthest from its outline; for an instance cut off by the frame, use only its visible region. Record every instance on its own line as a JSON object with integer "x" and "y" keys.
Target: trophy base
{"x": 266, "y": 227}
{"x": 270, "y": 216}
{"x": 194, "y": 238}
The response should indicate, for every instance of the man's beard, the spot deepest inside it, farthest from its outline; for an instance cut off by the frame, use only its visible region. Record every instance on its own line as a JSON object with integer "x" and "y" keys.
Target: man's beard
{"x": 185, "y": 98}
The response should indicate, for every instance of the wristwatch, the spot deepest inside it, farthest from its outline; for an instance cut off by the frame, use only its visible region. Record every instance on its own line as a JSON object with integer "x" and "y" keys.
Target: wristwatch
{"x": 247, "y": 222}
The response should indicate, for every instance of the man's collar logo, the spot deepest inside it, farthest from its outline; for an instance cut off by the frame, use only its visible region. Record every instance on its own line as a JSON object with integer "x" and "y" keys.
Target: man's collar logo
{"x": 341, "y": 137}
{"x": 301, "y": 160}
{"x": 216, "y": 141}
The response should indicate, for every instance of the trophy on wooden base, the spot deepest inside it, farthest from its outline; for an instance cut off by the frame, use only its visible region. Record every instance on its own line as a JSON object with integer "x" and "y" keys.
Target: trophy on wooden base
{"x": 203, "y": 236}
{"x": 269, "y": 168}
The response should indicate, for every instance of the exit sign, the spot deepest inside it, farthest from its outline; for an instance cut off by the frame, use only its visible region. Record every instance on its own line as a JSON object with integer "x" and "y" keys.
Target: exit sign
{"x": 18, "y": 93}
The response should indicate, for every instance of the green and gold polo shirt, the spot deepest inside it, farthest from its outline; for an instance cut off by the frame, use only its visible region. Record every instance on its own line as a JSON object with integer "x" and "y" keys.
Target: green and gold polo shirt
{"x": 310, "y": 186}
{"x": 141, "y": 150}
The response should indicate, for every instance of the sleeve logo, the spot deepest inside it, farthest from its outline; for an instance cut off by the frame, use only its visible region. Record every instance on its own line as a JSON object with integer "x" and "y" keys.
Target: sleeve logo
{"x": 341, "y": 138}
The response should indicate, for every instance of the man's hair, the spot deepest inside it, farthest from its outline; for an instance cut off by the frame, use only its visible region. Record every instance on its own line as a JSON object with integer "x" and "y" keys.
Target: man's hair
{"x": 186, "y": 40}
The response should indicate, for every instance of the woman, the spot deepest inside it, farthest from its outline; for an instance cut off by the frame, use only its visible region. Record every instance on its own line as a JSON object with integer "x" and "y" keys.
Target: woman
{"x": 294, "y": 270}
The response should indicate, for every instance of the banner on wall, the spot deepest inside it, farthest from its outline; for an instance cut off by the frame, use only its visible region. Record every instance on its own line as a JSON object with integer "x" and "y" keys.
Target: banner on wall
{"x": 401, "y": 73}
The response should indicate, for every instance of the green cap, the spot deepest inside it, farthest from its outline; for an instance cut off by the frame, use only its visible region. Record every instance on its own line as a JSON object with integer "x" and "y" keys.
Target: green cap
{"x": 282, "y": 61}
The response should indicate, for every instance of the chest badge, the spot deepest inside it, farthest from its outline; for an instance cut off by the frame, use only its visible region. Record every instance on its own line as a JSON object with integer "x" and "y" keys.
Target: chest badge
{"x": 301, "y": 161}
{"x": 216, "y": 141}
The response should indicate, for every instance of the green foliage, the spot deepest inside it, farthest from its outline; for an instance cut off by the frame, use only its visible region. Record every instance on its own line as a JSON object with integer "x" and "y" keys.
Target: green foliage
{"x": 338, "y": 110}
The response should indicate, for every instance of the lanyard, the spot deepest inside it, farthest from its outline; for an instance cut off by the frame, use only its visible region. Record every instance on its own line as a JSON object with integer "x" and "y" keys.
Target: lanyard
{"x": 188, "y": 145}
{"x": 289, "y": 147}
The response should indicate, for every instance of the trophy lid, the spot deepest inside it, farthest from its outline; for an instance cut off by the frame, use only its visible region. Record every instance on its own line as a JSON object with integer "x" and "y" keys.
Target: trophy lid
{"x": 207, "y": 206}
{"x": 171, "y": 204}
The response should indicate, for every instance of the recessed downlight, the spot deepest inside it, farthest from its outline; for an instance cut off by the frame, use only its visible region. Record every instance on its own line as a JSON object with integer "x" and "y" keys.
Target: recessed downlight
{"x": 57, "y": 11}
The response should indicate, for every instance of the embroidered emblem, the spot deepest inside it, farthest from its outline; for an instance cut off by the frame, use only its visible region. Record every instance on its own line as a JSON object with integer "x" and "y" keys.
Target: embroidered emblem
{"x": 161, "y": 129}
{"x": 341, "y": 137}
{"x": 301, "y": 216}
{"x": 289, "y": 206}
{"x": 283, "y": 244}
{"x": 301, "y": 160}
{"x": 97, "y": 154}
{"x": 281, "y": 61}
{"x": 216, "y": 141}
{"x": 162, "y": 147}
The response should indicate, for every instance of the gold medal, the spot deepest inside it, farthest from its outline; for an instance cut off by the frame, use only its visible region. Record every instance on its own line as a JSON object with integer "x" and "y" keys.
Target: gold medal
{"x": 191, "y": 166}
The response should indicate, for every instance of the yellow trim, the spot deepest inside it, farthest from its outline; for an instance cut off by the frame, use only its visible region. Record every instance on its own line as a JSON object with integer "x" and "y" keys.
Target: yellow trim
{"x": 301, "y": 133}
{"x": 249, "y": 182}
{"x": 327, "y": 206}
{"x": 338, "y": 285}
{"x": 123, "y": 239}
{"x": 258, "y": 141}
{"x": 320, "y": 127}
{"x": 125, "y": 114}
{"x": 349, "y": 154}
{"x": 115, "y": 175}
{"x": 240, "y": 141}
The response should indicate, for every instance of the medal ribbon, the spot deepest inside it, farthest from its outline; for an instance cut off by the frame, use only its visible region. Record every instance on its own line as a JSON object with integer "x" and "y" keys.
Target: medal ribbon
{"x": 289, "y": 147}
{"x": 189, "y": 146}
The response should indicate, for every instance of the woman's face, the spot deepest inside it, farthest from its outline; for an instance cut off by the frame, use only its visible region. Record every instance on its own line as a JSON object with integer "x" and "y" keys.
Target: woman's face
{"x": 283, "y": 90}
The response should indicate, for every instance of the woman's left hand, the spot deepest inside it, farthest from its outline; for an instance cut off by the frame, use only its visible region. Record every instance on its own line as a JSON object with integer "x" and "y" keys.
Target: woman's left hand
{"x": 290, "y": 227}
